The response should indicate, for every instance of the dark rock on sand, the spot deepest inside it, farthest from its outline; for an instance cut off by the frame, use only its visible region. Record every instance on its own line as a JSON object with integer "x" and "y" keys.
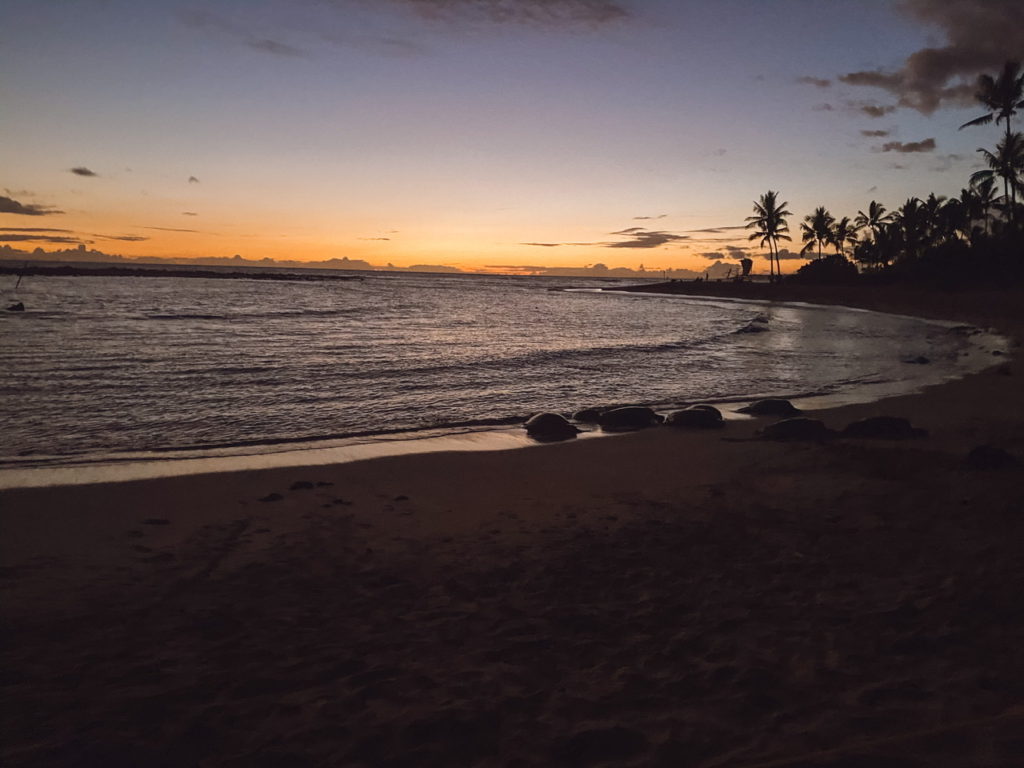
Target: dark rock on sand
{"x": 696, "y": 417}
{"x": 771, "y": 407}
{"x": 800, "y": 428}
{"x": 301, "y": 485}
{"x": 991, "y": 457}
{"x": 272, "y": 497}
{"x": 628, "y": 417}
{"x": 587, "y": 415}
{"x": 883, "y": 428}
{"x": 550, "y": 426}
{"x": 16, "y": 307}
{"x": 753, "y": 327}
{"x": 919, "y": 360}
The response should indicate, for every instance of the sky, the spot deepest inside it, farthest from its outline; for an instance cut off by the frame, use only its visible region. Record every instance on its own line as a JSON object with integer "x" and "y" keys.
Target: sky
{"x": 483, "y": 134}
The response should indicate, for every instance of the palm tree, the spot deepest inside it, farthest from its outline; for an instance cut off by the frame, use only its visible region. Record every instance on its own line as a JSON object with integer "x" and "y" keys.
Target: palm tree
{"x": 843, "y": 233}
{"x": 1003, "y": 95}
{"x": 955, "y": 217}
{"x": 912, "y": 222}
{"x": 932, "y": 207}
{"x": 874, "y": 219}
{"x": 769, "y": 221}
{"x": 984, "y": 195}
{"x": 1007, "y": 162}
{"x": 816, "y": 229}
{"x": 884, "y": 247}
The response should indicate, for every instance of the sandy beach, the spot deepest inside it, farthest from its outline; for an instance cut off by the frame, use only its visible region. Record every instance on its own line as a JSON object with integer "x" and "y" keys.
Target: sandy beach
{"x": 666, "y": 597}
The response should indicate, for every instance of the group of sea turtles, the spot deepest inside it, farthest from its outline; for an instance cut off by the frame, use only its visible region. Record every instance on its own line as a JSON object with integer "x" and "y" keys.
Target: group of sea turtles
{"x": 548, "y": 427}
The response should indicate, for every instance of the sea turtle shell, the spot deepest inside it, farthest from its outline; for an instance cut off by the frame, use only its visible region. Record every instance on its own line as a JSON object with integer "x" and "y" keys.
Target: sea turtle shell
{"x": 549, "y": 426}
{"x": 883, "y": 428}
{"x": 771, "y": 407}
{"x": 800, "y": 428}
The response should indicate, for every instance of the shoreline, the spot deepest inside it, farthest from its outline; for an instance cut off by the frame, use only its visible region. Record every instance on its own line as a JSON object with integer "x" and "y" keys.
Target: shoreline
{"x": 487, "y": 435}
{"x": 663, "y": 597}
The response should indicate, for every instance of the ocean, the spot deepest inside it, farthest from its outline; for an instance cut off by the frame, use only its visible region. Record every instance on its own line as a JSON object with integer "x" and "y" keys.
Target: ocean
{"x": 108, "y": 369}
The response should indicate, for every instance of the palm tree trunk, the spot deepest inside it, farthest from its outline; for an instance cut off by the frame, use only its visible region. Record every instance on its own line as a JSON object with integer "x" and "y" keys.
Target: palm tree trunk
{"x": 1012, "y": 195}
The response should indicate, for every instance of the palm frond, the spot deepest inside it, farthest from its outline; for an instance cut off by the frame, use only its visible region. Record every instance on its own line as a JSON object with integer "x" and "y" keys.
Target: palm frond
{"x": 983, "y": 120}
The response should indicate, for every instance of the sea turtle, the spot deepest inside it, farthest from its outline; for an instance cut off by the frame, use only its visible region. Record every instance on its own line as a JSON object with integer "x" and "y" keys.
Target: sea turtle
{"x": 587, "y": 415}
{"x": 991, "y": 457}
{"x": 696, "y": 417}
{"x": 771, "y": 407}
{"x": 628, "y": 417}
{"x": 800, "y": 428}
{"x": 883, "y": 428}
{"x": 549, "y": 426}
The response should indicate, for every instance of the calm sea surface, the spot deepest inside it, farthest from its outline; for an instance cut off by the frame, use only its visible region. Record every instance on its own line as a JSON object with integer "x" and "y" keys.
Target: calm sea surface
{"x": 105, "y": 367}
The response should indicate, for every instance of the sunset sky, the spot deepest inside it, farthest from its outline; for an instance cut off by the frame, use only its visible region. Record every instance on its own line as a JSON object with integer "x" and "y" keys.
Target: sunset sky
{"x": 477, "y": 133}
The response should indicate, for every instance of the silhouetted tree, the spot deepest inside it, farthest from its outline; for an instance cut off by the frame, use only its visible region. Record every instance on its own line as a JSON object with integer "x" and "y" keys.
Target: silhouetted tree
{"x": 844, "y": 233}
{"x": 769, "y": 221}
{"x": 816, "y": 229}
{"x": 874, "y": 219}
{"x": 912, "y": 220}
{"x": 1007, "y": 163}
{"x": 984, "y": 196}
{"x": 1003, "y": 95}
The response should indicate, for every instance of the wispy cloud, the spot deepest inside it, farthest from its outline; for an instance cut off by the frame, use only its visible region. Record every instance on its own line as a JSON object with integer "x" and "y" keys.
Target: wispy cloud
{"x": 818, "y": 82}
{"x": 785, "y": 254}
{"x": 81, "y": 170}
{"x": 189, "y": 213}
{"x": 33, "y": 238}
{"x": 193, "y": 180}
{"x": 925, "y": 145}
{"x": 545, "y": 245}
{"x": 273, "y": 46}
{"x": 979, "y": 37}
{"x": 644, "y": 238}
{"x": 877, "y": 110}
{"x": 10, "y": 205}
{"x": 173, "y": 229}
{"x": 33, "y": 229}
{"x": 715, "y": 230}
{"x": 202, "y": 19}
{"x": 539, "y": 12}
{"x": 874, "y": 134}
{"x": 650, "y": 218}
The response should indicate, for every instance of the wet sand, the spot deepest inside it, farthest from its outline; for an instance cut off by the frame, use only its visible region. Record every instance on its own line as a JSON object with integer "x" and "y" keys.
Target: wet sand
{"x": 661, "y": 598}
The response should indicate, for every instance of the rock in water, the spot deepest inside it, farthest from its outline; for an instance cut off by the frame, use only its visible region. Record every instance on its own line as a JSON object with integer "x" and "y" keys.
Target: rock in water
{"x": 696, "y": 417}
{"x": 883, "y": 428}
{"x": 770, "y": 407}
{"x": 549, "y": 426}
{"x": 16, "y": 307}
{"x": 800, "y": 428}
{"x": 628, "y": 417}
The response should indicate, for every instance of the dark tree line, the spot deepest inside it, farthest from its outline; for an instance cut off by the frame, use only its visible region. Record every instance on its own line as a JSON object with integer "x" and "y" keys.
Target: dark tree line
{"x": 976, "y": 234}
